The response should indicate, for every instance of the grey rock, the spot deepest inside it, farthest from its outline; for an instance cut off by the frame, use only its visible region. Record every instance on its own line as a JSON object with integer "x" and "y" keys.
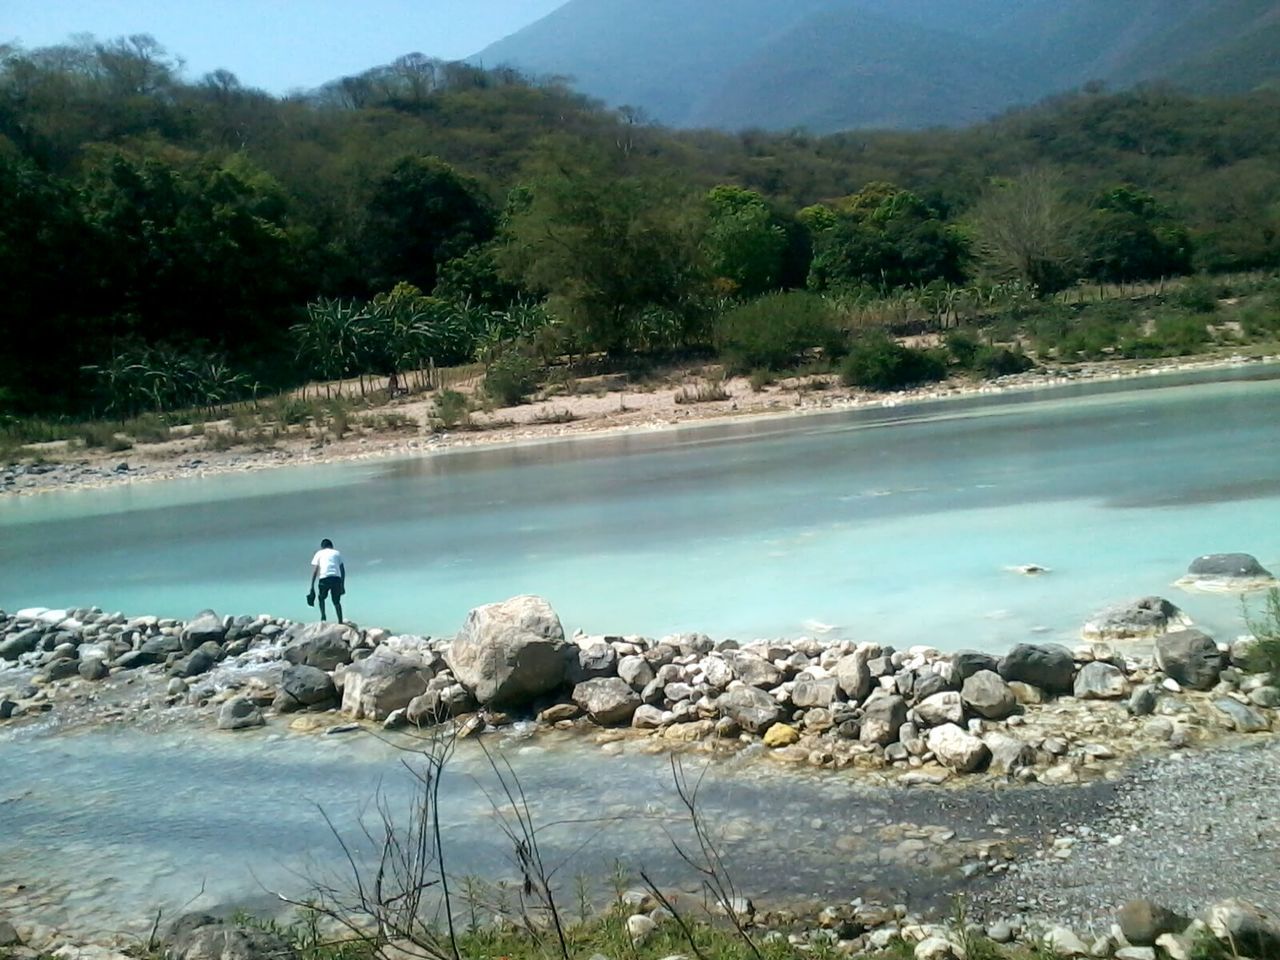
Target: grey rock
{"x": 1047, "y": 666}
{"x": 969, "y": 662}
{"x": 302, "y": 686}
{"x": 1243, "y": 718}
{"x": 647, "y": 717}
{"x": 751, "y": 708}
{"x": 92, "y": 668}
{"x": 324, "y": 646}
{"x": 509, "y": 653}
{"x": 1009, "y": 754}
{"x": 609, "y": 701}
{"x": 7, "y": 708}
{"x": 1228, "y": 566}
{"x": 1267, "y": 696}
{"x": 218, "y": 940}
{"x": 1248, "y": 929}
{"x": 986, "y": 694}
{"x": 815, "y": 693}
{"x": 755, "y": 670}
{"x": 1142, "y": 921}
{"x": 158, "y": 648}
{"x": 1064, "y": 943}
{"x": 597, "y": 659}
{"x": 192, "y": 665}
{"x": 12, "y": 647}
{"x": 8, "y": 935}
{"x": 445, "y": 699}
{"x": 239, "y": 714}
{"x": 945, "y": 707}
{"x": 882, "y": 718}
{"x": 928, "y": 684}
{"x": 382, "y": 682}
{"x": 1146, "y": 617}
{"x": 636, "y": 671}
{"x": 207, "y": 627}
{"x": 957, "y": 749}
{"x": 854, "y": 676}
{"x": 1143, "y": 701}
{"x": 1100, "y": 681}
{"x": 1190, "y": 657}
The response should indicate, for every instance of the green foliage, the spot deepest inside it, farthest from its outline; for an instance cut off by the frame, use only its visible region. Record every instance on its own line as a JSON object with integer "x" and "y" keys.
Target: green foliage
{"x": 511, "y": 376}
{"x": 744, "y": 244}
{"x": 878, "y": 362}
{"x": 1265, "y": 627}
{"x": 452, "y": 409}
{"x": 776, "y": 331}
{"x": 1130, "y": 236}
{"x": 105, "y": 436}
{"x": 1173, "y": 335}
{"x": 1027, "y": 227}
{"x": 1199, "y": 294}
{"x": 761, "y": 378}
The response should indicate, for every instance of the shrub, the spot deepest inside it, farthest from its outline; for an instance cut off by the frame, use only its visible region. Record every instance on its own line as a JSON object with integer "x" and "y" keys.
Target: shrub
{"x": 702, "y": 393}
{"x": 775, "y": 331}
{"x": 147, "y": 429}
{"x": 511, "y": 377}
{"x": 761, "y": 378}
{"x": 1199, "y": 295}
{"x": 1260, "y": 320}
{"x": 878, "y": 362}
{"x": 963, "y": 347}
{"x": 1266, "y": 629}
{"x": 219, "y": 440}
{"x": 452, "y": 409}
{"x": 554, "y": 416}
{"x": 999, "y": 362}
{"x": 104, "y": 436}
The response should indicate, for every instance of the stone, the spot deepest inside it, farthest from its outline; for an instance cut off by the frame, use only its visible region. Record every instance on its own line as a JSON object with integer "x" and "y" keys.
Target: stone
{"x": 956, "y": 749}
{"x": 321, "y": 645}
{"x": 1176, "y": 946}
{"x": 193, "y": 664}
{"x": 205, "y": 938}
{"x": 755, "y": 670}
{"x": 239, "y": 713}
{"x": 1190, "y": 657}
{"x": 883, "y": 716}
{"x": 1242, "y": 718}
{"x": 1009, "y": 754}
{"x": 92, "y": 668}
{"x": 753, "y": 709}
{"x": 207, "y": 627}
{"x": 1143, "y": 701}
{"x": 815, "y": 693}
{"x": 1247, "y": 929}
{"x": 302, "y": 686}
{"x": 969, "y": 662}
{"x": 649, "y": 717}
{"x": 854, "y": 676}
{"x": 1142, "y": 921}
{"x": 596, "y": 659}
{"x": 1266, "y": 696}
{"x": 559, "y": 712}
{"x": 14, "y": 646}
{"x": 1064, "y": 943}
{"x": 1136, "y": 953}
{"x": 8, "y": 935}
{"x": 1137, "y": 619}
{"x": 1047, "y": 666}
{"x": 7, "y": 708}
{"x": 640, "y": 928}
{"x": 1000, "y": 932}
{"x": 509, "y": 653}
{"x": 1100, "y": 681}
{"x": 945, "y": 707}
{"x": 928, "y": 684}
{"x": 1026, "y": 694}
{"x": 636, "y": 671}
{"x": 780, "y": 735}
{"x": 934, "y": 948}
{"x": 382, "y": 682}
{"x": 608, "y": 701}
{"x": 986, "y": 694}
{"x": 1228, "y": 566}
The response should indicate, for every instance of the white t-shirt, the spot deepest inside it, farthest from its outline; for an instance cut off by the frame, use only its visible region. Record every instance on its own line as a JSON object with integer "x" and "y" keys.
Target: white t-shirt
{"x": 329, "y": 561}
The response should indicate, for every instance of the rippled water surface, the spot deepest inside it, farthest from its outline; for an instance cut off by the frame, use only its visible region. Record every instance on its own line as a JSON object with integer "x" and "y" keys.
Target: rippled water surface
{"x": 896, "y": 525}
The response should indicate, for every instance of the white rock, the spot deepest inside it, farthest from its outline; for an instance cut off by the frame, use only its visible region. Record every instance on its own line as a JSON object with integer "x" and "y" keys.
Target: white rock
{"x": 1064, "y": 943}
{"x": 640, "y": 928}
{"x": 934, "y": 948}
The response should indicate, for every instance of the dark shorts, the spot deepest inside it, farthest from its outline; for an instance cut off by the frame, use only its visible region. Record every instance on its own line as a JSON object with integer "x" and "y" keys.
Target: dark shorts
{"x": 331, "y": 587}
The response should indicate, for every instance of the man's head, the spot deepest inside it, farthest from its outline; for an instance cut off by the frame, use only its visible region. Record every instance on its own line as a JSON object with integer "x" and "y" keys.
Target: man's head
{"x": 326, "y": 544}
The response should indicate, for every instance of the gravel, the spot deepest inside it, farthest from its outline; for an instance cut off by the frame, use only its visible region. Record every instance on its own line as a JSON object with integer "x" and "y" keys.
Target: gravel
{"x": 1184, "y": 829}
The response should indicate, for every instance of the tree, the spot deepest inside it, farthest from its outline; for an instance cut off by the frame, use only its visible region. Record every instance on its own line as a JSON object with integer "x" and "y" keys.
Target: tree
{"x": 1132, "y": 237}
{"x": 1028, "y": 228}
{"x": 745, "y": 245}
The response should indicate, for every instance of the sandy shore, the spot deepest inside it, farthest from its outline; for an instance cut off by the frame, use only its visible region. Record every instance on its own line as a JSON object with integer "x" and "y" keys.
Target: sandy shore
{"x": 599, "y": 407}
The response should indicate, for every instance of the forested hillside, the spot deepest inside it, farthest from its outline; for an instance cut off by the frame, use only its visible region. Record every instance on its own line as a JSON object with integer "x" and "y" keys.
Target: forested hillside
{"x": 829, "y": 65}
{"x": 166, "y": 242}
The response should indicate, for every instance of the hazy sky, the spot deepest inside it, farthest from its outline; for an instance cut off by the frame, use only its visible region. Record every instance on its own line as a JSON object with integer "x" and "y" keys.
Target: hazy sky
{"x": 279, "y": 44}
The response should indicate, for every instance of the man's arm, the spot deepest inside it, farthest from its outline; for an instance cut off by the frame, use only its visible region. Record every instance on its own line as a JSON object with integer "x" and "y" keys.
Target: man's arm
{"x": 342, "y": 569}
{"x": 315, "y": 572}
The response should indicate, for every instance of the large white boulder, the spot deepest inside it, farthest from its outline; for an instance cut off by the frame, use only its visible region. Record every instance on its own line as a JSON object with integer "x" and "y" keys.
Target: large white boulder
{"x": 509, "y": 653}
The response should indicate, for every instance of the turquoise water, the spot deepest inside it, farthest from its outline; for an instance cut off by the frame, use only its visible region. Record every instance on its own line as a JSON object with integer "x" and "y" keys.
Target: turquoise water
{"x": 895, "y": 525}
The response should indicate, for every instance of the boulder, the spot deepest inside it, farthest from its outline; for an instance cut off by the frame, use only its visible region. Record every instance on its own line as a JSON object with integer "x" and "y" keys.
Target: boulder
{"x": 1142, "y": 922}
{"x": 1241, "y": 717}
{"x": 1228, "y": 566}
{"x": 1009, "y": 754}
{"x": 321, "y": 645}
{"x": 445, "y": 699}
{"x": 595, "y": 659}
{"x": 755, "y": 670}
{"x": 815, "y": 693}
{"x": 1137, "y": 619}
{"x": 302, "y": 686}
{"x": 1190, "y": 657}
{"x": 1142, "y": 703}
{"x": 647, "y": 717}
{"x": 207, "y": 627}
{"x": 608, "y": 701}
{"x": 753, "y": 709}
{"x": 986, "y": 694}
{"x": 957, "y": 749}
{"x": 1100, "y": 681}
{"x": 882, "y": 718}
{"x": 8, "y": 935}
{"x": 969, "y": 662}
{"x": 854, "y": 676}
{"x": 15, "y": 645}
{"x": 239, "y": 713}
{"x": 157, "y": 649}
{"x": 1247, "y": 929}
{"x": 382, "y": 682}
{"x": 1047, "y": 666}
{"x": 509, "y": 653}
{"x": 193, "y": 664}
{"x": 1064, "y": 942}
{"x": 927, "y": 684}
{"x": 780, "y": 735}
{"x": 219, "y": 940}
{"x": 636, "y": 671}
{"x": 92, "y": 668}
{"x": 945, "y": 707}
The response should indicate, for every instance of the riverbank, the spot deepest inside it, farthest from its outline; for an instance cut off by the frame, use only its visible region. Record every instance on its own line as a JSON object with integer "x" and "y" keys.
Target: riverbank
{"x": 603, "y": 407}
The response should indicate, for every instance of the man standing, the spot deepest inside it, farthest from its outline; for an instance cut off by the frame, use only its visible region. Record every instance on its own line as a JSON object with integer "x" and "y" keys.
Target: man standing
{"x": 327, "y": 565}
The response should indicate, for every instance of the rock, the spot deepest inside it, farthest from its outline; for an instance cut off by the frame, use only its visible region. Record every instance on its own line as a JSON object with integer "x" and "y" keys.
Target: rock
{"x": 1228, "y": 566}
{"x": 815, "y": 693}
{"x": 1142, "y": 921}
{"x": 1190, "y": 657}
{"x": 957, "y": 749}
{"x": 946, "y": 707}
{"x": 969, "y": 662}
{"x": 1100, "y": 681}
{"x": 649, "y": 717}
{"x": 1047, "y": 666}
{"x": 207, "y": 627}
{"x": 217, "y": 940}
{"x": 640, "y": 928}
{"x": 608, "y": 701}
{"x": 1267, "y": 696}
{"x": 1143, "y": 701}
{"x": 1242, "y": 718}
{"x": 1026, "y": 694}
{"x": 926, "y": 685}
{"x": 1247, "y": 929}
{"x": 7, "y": 708}
{"x": 636, "y": 671}
{"x": 751, "y": 708}
{"x": 986, "y": 694}
{"x": 14, "y": 646}
{"x": 1135, "y": 953}
{"x": 755, "y": 670}
{"x": 1176, "y": 946}
{"x": 560, "y": 711}
{"x": 92, "y": 668}
{"x": 8, "y": 935}
{"x": 302, "y": 686}
{"x": 854, "y": 676}
{"x": 934, "y": 948}
{"x": 883, "y": 715}
{"x": 509, "y": 653}
{"x": 597, "y": 659}
{"x": 321, "y": 645}
{"x": 239, "y": 713}
{"x": 382, "y": 682}
{"x": 780, "y": 735}
{"x": 193, "y": 664}
{"x": 1064, "y": 943}
{"x": 1000, "y": 932}
{"x": 1009, "y": 754}
{"x": 1138, "y": 619}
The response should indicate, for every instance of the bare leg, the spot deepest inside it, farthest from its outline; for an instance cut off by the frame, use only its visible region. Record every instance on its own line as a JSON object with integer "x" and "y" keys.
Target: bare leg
{"x": 323, "y": 617}
{"x": 337, "y": 608}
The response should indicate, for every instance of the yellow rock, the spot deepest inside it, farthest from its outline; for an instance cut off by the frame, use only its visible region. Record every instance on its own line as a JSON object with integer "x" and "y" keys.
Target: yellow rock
{"x": 780, "y": 735}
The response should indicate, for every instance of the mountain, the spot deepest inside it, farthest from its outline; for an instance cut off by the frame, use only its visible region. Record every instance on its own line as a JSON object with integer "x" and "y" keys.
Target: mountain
{"x": 843, "y": 64}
